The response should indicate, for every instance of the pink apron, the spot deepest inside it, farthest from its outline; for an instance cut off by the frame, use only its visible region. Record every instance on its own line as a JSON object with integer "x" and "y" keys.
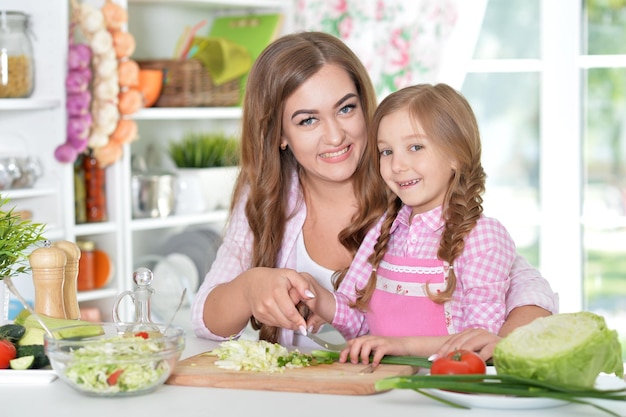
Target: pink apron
{"x": 400, "y": 306}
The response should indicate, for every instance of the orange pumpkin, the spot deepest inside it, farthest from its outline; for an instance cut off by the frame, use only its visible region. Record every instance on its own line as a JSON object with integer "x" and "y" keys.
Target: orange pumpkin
{"x": 150, "y": 85}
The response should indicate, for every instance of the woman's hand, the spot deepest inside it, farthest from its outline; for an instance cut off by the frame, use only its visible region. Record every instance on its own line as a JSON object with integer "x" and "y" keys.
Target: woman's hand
{"x": 321, "y": 304}
{"x": 272, "y": 295}
{"x": 477, "y": 340}
{"x": 314, "y": 323}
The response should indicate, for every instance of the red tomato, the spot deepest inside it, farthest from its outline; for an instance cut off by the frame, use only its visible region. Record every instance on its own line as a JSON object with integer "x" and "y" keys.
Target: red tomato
{"x": 459, "y": 362}
{"x": 145, "y": 335}
{"x": 7, "y": 352}
{"x": 112, "y": 379}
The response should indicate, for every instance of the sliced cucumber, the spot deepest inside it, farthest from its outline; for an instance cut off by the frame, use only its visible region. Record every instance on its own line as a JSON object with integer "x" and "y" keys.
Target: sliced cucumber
{"x": 21, "y": 363}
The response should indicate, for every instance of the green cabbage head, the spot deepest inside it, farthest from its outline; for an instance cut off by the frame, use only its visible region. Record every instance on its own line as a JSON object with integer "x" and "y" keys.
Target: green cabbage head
{"x": 566, "y": 348}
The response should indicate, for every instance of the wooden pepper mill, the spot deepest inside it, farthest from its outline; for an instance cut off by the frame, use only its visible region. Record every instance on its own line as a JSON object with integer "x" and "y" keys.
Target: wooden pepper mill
{"x": 70, "y": 300}
{"x": 48, "y": 268}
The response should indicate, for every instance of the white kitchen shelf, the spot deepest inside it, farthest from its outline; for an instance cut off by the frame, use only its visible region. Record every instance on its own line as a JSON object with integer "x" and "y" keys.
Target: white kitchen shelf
{"x": 21, "y": 193}
{"x": 217, "y": 216}
{"x": 86, "y": 229}
{"x": 217, "y": 3}
{"x": 188, "y": 113}
{"x": 29, "y": 103}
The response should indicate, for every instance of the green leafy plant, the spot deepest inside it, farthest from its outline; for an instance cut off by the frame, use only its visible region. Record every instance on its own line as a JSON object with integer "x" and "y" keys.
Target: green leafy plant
{"x": 205, "y": 150}
{"x": 16, "y": 236}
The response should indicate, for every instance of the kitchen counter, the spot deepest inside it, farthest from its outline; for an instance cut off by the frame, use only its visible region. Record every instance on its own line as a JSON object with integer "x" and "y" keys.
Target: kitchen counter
{"x": 57, "y": 399}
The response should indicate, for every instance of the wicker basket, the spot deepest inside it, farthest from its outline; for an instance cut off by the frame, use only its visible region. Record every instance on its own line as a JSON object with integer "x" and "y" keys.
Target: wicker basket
{"x": 187, "y": 83}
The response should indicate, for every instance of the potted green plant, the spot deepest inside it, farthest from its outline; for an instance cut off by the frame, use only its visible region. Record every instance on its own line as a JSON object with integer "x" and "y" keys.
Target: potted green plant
{"x": 205, "y": 150}
{"x": 17, "y": 236}
{"x": 207, "y": 165}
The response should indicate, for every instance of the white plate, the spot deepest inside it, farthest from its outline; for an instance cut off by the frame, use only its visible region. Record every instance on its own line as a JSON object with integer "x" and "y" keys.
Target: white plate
{"x": 199, "y": 244}
{"x": 167, "y": 288}
{"x": 186, "y": 269}
{"x": 28, "y": 376}
{"x": 495, "y": 401}
{"x": 516, "y": 403}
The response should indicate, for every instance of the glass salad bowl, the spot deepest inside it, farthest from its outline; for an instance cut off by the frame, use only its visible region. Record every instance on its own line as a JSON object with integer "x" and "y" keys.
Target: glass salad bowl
{"x": 115, "y": 359}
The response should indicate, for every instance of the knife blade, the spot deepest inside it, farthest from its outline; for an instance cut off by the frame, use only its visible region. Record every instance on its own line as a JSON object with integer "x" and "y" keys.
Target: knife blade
{"x": 325, "y": 344}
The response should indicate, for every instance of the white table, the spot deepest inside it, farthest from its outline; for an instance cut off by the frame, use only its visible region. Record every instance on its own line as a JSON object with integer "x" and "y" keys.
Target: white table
{"x": 57, "y": 399}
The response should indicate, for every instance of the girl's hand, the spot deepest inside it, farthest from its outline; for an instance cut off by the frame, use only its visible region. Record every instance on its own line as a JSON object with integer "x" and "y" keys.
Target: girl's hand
{"x": 477, "y": 340}
{"x": 363, "y": 347}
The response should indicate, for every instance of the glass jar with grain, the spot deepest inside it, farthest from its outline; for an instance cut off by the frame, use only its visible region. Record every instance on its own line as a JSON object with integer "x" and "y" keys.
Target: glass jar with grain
{"x": 17, "y": 68}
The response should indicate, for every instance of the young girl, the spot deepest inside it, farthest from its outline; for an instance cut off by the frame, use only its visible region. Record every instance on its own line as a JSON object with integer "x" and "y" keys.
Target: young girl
{"x": 439, "y": 265}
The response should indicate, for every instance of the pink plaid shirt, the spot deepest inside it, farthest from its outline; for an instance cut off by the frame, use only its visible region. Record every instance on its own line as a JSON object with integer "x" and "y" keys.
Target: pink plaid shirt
{"x": 482, "y": 271}
{"x": 235, "y": 256}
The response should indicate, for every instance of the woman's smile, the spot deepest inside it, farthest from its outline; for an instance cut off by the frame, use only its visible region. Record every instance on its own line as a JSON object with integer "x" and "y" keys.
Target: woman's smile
{"x": 338, "y": 155}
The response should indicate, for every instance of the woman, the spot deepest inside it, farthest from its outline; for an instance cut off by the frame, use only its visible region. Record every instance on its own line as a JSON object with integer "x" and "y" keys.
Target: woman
{"x": 306, "y": 113}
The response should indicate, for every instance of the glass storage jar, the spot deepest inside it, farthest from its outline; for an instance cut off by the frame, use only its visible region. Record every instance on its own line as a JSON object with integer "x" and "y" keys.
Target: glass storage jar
{"x": 17, "y": 66}
{"x": 95, "y": 190}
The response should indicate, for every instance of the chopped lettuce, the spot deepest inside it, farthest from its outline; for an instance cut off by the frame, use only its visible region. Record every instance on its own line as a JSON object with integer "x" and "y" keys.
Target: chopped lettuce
{"x": 566, "y": 348}
{"x": 125, "y": 369}
{"x": 259, "y": 356}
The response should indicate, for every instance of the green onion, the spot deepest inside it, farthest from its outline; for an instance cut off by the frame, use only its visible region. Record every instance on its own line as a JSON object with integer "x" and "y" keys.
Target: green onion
{"x": 327, "y": 356}
{"x": 481, "y": 384}
{"x": 501, "y": 385}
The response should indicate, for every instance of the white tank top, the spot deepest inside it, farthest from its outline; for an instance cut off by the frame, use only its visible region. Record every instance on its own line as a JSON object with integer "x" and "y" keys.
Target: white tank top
{"x": 304, "y": 263}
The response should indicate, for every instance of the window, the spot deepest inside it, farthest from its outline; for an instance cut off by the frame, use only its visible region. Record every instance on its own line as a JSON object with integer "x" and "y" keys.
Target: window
{"x": 548, "y": 85}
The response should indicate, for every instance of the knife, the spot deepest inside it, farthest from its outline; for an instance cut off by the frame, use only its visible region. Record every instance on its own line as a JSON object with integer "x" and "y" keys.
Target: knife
{"x": 338, "y": 347}
{"x": 323, "y": 343}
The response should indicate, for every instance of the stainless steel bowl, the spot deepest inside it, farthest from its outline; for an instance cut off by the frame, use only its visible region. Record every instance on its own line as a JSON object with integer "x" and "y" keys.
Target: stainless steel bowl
{"x": 153, "y": 194}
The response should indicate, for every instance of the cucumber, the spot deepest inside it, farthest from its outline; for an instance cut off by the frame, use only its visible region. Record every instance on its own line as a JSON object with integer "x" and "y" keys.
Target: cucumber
{"x": 21, "y": 363}
{"x": 33, "y": 336}
{"x": 21, "y": 317}
{"x": 12, "y": 332}
{"x": 40, "y": 361}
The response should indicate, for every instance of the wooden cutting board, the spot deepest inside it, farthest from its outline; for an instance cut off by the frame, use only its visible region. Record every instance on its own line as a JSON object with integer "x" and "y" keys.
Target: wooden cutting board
{"x": 336, "y": 378}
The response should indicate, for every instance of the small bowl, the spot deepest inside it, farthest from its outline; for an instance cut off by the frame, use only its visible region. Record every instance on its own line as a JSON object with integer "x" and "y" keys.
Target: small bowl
{"x": 125, "y": 359}
{"x": 150, "y": 85}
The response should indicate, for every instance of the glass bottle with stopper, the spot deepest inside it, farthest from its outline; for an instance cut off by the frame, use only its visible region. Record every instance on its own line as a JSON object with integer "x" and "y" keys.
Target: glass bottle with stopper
{"x": 141, "y": 296}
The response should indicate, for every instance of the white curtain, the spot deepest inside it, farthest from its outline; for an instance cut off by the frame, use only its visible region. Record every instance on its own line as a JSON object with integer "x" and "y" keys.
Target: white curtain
{"x": 401, "y": 42}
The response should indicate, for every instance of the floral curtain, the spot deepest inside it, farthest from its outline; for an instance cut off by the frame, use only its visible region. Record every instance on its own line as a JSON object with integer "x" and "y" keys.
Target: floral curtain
{"x": 401, "y": 42}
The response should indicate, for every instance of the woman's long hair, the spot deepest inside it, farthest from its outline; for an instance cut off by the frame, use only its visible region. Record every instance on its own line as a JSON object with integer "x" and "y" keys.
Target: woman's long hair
{"x": 266, "y": 171}
{"x": 449, "y": 122}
